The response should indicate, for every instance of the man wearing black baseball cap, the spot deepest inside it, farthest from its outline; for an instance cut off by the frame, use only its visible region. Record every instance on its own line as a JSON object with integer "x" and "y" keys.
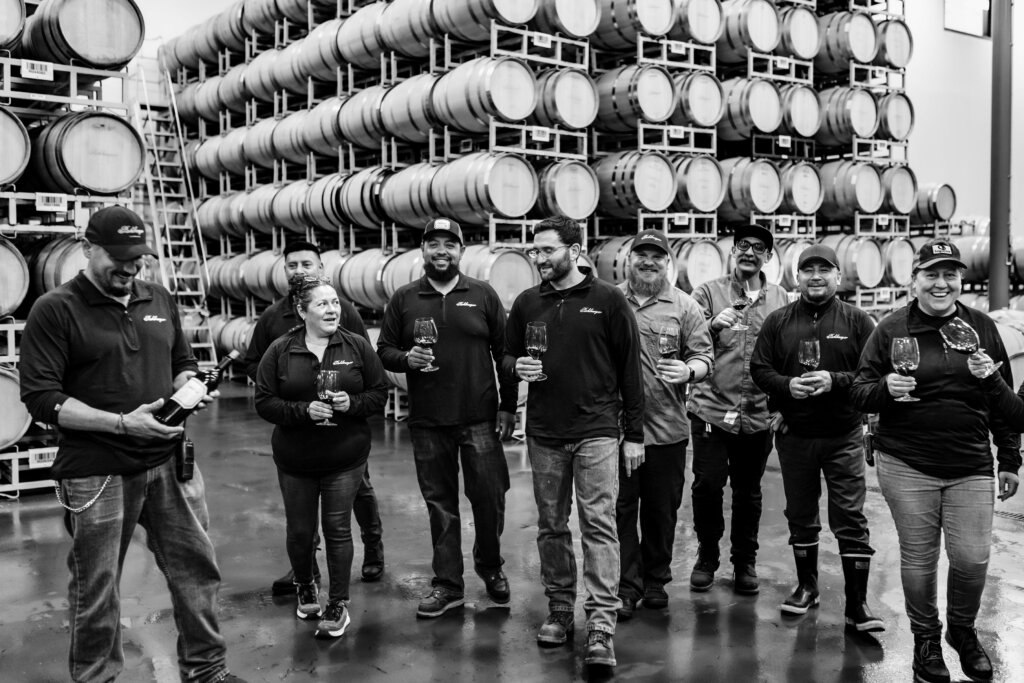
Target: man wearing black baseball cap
{"x": 805, "y": 359}
{"x": 98, "y": 357}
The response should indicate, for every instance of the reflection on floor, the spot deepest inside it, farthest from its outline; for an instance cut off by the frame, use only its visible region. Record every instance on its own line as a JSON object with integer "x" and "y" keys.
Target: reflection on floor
{"x": 716, "y": 636}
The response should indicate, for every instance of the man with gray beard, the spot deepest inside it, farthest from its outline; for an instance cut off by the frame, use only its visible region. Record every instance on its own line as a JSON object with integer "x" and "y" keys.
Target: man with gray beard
{"x": 666, "y": 317}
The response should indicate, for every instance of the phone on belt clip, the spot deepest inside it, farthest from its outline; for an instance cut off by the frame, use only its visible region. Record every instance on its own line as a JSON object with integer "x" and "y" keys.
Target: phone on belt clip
{"x": 185, "y": 460}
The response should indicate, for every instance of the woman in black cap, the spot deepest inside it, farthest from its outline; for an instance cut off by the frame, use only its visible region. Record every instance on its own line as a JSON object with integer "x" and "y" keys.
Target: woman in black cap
{"x": 935, "y": 465}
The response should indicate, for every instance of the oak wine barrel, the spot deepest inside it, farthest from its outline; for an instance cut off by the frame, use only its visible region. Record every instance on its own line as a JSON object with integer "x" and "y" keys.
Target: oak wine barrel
{"x": 898, "y": 259}
{"x": 501, "y": 87}
{"x": 895, "y": 43}
{"x": 701, "y": 183}
{"x": 801, "y": 110}
{"x": 322, "y": 210}
{"x": 359, "y": 197}
{"x": 611, "y": 258}
{"x": 405, "y": 195}
{"x": 895, "y": 116}
{"x": 802, "y": 189}
{"x": 573, "y": 18}
{"x": 860, "y": 260}
{"x": 788, "y": 256}
{"x": 359, "y": 38}
{"x": 850, "y": 187}
{"x": 472, "y": 187}
{"x": 407, "y": 26}
{"x": 701, "y": 21}
{"x": 404, "y": 268}
{"x": 14, "y": 416}
{"x": 508, "y": 271}
{"x": 701, "y": 100}
{"x": 322, "y": 131}
{"x": 846, "y": 113}
{"x": 935, "y": 202}
{"x": 800, "y": 34}
{"x": 258, "y": 274}
{"x": 232, "y": 91}
{"x": 845, "y": 37}
{"x": 57, "y": 262}
{"x": 289, "y": 137}
{"x": 258, "y": 209}
{"x": 623, "y": 21}
{"x": 974, "y": 252}
{"x": 635, "y": 181}
{"x": 13, "y": 278}
{"x": 360, "y": 119}
{"x": 753, "y": 186}
{"x": 470, "y": 20}
{"x": 567, "y": 98}
{"x": 102, "y": 34}
{"x": 289, "y": 206}
{"x": 752, "y": 105}
{"x": 568, "y": 188}
{"x": 633, "y": 93}
{"x": 320, "y": 56}
{"x": 12, "y": 23}
{"x": 407, "y": 112}
{"x": 749, "y": 25}
{"x": 697, "y": 262}
{"x": 361, "y": 278}
{"x": 16, "y": 146}
{"x": 899, "y": 189}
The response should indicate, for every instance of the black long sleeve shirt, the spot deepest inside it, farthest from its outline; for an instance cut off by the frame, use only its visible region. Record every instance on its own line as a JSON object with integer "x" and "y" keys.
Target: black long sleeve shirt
{"x": 841, "y": 331}
{"x": 470, "y": 345}
{"x": 592, "y": 362}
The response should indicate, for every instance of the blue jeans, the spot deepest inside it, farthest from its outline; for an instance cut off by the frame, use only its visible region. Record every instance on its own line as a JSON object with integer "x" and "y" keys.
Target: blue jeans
{"x": 334, "y": 494}
{"x": 841, "y": 459}
{"x": 593, "y": 466}
{"x": 175, "y": 518}
{"x": 437, "y": 452}
{"x": 925, "y": 509}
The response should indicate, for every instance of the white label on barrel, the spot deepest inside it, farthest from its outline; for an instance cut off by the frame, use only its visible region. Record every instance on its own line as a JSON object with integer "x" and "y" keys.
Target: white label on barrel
{"x": 785, "y": 141}
{"x": 40, "y": 71}
{"x": 465, "y": 145}
{"x": 785, "y": 221}
{"x": 880, "y": 147}
{"x": 41, "y": 457}
{"x": 781, "y": 63}
{"x": 680, "y": 219}
{"x": 542, "y": 40}
{"x": 676, "y": 47}
{"x": 883, "y": 220}
{"x": 677, "y": 131}
{"x": 51, "y": 202}
{"x": 540, "y": 134}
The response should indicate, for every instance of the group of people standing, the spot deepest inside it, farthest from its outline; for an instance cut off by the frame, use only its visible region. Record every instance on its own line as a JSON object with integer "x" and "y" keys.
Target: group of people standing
{"x": 628, "y": 377}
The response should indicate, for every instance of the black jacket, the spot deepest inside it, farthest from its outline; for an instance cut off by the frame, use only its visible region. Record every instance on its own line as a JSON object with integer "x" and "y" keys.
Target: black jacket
{"x": 841, "y": 331}
{"x": 945, "y": 434}
{"x": 592, "y": 361}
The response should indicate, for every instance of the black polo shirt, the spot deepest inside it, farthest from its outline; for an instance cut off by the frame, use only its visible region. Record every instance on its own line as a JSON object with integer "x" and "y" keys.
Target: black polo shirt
{"x": 278, "y": 319}
{"x": 81, "y": 344}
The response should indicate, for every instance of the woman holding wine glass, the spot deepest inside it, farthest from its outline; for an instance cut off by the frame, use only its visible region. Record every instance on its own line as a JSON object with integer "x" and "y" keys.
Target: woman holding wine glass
{"x": 318, "y": 384}
{"x": 935, "y": 465}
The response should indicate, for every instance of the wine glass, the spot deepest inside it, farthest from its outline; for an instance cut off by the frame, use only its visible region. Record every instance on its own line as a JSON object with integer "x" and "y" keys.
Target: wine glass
{"x": 537, "y": 343}
{"x": 327, "y": 383}
{"x": 739, "y": 304}
{"x": 668, "y": 340}
{"x": 960, "y": 336}
{"x": 424, "y": 333}
{"x": 905, "y": 359}
{"x": 810, "y": 354}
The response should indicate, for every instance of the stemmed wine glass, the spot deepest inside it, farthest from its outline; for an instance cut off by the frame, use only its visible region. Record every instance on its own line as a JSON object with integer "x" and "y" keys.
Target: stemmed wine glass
{"x": 424, "y": 333}
{"x": 810, "y": 354}
{"x": 960, "y": 336}
{"x": 668, "y": 341}
{"x": 327, "y": 383}
{"x": 905, "y": 359}
{"x": 739, "y": 304}
{"x": 537, "y": 343}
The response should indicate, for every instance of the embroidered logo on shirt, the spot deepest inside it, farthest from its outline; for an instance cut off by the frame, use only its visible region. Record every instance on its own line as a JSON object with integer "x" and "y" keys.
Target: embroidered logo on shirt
{"x": 836, "y": 336}
{"x": 588, "y": 309}
{"x": 342, "y": 362}
{"x": 466, "y": 303}
{"x": 154, "y": 319}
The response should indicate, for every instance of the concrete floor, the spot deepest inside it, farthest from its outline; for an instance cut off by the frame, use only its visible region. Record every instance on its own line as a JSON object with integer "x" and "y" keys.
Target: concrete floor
{"x": 716, "y": 636}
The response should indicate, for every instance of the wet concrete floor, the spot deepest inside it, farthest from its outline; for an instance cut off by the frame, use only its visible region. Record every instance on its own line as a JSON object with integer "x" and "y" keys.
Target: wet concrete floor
{"x": 715, "y": 636}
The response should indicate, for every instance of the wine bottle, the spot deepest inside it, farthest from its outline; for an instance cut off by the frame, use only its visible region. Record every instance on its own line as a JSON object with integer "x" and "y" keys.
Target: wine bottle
{"x": 184, "y": 401}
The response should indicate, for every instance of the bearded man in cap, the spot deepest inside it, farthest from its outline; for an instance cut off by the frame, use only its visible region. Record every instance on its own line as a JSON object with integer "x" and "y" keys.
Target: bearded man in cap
{"x": 98, "y": 356}
{"x": 729, "y": 414}
{"x": 821, "y": 429}
{"x": 457, "y": 410}
{"x": 652, "y": 491}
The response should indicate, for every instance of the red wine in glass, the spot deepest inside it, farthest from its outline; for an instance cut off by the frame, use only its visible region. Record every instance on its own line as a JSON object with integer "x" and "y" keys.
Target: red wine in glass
{"x": 424, "y": 333}
{"x": 537, "y": 343}
{"x": 739, "y": 304}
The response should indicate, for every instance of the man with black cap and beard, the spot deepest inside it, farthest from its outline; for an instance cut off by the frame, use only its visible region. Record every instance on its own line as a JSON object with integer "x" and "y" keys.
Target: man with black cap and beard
{"x": 456, "y": 412}
{"x": 821, "y": 432}
{"x": 729, "y": 414}
{"x": 653, "y": 491}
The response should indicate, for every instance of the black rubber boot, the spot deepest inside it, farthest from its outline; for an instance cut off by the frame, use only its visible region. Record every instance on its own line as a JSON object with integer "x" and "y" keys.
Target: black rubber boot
{"x": 806, "y": 594}
{"x": 858, "y": 615}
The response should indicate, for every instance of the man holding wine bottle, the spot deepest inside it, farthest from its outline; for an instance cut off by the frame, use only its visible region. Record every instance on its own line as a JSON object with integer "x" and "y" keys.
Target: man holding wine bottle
{"x": 805, "y": 359}
{"x": 729, "y": 416}
{"x": 302, "y": 258}
{"x": 445, "y": 331}
{"x": 590, "y": 374}
{"x": 98, "y": 357}
{"x": 675, "y": 350}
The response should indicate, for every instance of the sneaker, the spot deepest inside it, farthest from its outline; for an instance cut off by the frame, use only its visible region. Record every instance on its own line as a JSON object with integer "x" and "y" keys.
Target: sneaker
{"x": 334, "y": 621}
{"x": 600, "y": 651}
{"x": 973, "y": 658}
{"x": 625, "y": 612}
{"x": 309, "y": 601}
{"x": 655, "y": 597}
{"x": 745, "y": 579}
{"x": 497, "y": 585}
{"x": 703, "y": 574}
{"x": 438, "y": 602}
{"x": 929, "y": 666}
{"x": 556, "y": 628}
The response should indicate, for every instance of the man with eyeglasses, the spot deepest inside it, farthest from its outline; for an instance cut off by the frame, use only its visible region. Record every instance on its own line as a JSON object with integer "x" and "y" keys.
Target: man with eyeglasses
{"x": 651, "y": 493}
{"x": 302, "y": 259}
{"x": 805, "y": 359}
{"x": 593, "y": 374}
{"x": 729, "y": 416}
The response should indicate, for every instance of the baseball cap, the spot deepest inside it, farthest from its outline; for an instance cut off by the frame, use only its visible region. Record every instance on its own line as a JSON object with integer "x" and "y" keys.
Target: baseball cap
{"x": 301, "y": 245}
{"x": 653, "y": 238}
{"x": 120, "y": 232}
{"x": 443, "y": 225}
{"x": 818, "y": 252}
{"x": 755, "y": 230}
{"x": 936, "y": 251}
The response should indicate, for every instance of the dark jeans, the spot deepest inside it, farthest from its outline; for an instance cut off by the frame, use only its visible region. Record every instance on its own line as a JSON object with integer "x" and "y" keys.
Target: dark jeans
{"x": 652, "y": 494}
{"x": 739, "y": 458}
{"x": 175, "y": 518}
{"x": 438, "y": 451}
{"x": 841, "y": 460}
{"x": 368, "y": 515}
{"x": 334, "y": 494}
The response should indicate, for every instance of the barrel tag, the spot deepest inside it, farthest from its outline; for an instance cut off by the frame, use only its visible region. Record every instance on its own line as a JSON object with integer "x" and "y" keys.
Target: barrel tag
{"x": 542, "y": 40}
{"x": 46, "y": 201}
{"x": 785, "y": 221}
{"x": 465, "y": 146}
{"x": 781, "y": 62}
{"x": 677, "y": 132}
{"x": 41, "y": 457}
{"x": 883, "y": 220}
{"x": 40, "y": 71}
{"x": 785, "y": 141}
{"x": 680, "y": 219}
{"x": 540, "y": 134}
{"x": 677, "y": 47}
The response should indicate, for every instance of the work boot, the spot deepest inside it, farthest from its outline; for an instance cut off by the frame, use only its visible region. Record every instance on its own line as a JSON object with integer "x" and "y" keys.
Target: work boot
{"x": 655, "y": 596}
{"x": 496, "y": 584}
{"x": 627, "y": 607}
{"x": 806, "y": 594}
{"x": 973, "y": 659}
{"x": 600, "y": 650}
{"x": 745, "y": 579}
{"x": 373, "y": 561}
{"x": 703, "y": 574}
{"x": 928, "y": 664}
{"x": 858, "y": 615}
{"x": 438, "y": 602}
{"x": 556, "y": 628}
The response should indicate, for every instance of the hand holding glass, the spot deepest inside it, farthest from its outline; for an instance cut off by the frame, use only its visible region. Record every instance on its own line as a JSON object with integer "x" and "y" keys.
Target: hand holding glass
{"x": 739, "y": 304}
{"x": 668, "y": 341}
{"x": 537, "y": 344}
{"x": 905, "y": 358}
{"x": 810, "y": 354}
{"x": 327, "y": 383}
{"x": 424, "y": 333}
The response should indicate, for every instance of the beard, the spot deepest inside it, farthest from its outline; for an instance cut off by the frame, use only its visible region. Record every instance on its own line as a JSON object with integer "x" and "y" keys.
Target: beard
{"x": 446, "y": 275}
{"x": 643, "y": 287}
{"x": 559, "y": 269}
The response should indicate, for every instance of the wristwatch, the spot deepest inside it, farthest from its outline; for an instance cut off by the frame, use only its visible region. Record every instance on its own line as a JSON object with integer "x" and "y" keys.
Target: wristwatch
{"x": 689, "y": 375}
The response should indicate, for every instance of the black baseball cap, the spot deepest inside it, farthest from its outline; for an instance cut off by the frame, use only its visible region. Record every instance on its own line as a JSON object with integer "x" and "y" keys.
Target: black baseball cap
{"x": 758, "y": 231}
{"x": 818, "y": 252}
{"x": 652, "y": 238}
{"x": 937, "y": 251}
{"x": 446, "y": 225}
{"x": 120, "y": 232}
{"x": 301, "y": 245}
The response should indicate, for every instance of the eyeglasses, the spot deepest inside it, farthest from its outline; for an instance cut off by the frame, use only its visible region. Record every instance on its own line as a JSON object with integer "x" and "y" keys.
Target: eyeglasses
{"x": 547, "y": 251}
{"x": 744, "y": 245}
